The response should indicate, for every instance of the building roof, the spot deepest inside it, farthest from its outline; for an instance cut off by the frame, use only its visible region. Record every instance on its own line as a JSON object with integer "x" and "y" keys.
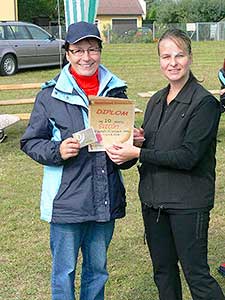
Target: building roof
{"x": 120, "y": 7}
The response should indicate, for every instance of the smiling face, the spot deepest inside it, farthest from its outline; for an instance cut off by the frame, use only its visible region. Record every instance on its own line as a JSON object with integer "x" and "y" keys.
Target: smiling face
{"x": 175, "y": 60}
{"x": 84, "y": 62}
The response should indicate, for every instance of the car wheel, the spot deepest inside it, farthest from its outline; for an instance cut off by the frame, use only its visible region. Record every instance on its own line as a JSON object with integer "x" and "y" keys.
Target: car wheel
{"x": 8, "y": 65}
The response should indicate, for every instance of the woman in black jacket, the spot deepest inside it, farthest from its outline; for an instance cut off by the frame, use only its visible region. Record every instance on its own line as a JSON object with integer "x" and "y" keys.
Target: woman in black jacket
{"x": 177, "y": 173}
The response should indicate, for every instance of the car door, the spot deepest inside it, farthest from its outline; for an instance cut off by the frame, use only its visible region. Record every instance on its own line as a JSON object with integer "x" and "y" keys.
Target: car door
{"x": 23, "y": 45}
{"x": 48, "y": 48}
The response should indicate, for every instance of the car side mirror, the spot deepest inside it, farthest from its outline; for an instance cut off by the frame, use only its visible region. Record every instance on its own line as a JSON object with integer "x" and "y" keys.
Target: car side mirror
{"x": 52, "y": 38}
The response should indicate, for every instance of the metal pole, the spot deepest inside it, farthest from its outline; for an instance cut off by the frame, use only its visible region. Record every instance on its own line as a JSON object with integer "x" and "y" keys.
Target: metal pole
{"x": 15, "y": 10}
{"x": 197, "y": 33}
{"x": 153, "y": 31}
{"x": 60, "y": 34}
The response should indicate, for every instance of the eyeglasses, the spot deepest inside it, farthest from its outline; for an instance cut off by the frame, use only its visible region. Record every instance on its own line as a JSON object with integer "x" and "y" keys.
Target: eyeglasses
{"x": 80, "y": 52}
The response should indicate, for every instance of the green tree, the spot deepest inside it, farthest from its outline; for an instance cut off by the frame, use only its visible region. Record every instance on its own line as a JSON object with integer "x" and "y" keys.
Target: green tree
{"x": 207, "y": 10}
{"x": 170, "y": 12}
{"x": 151, "y": 14}
{"x": 183, "y": 11}
{"x": 28, "y": 9}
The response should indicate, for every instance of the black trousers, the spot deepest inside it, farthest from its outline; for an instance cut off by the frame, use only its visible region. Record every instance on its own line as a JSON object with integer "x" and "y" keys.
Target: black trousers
{"x": 184, "y": 238}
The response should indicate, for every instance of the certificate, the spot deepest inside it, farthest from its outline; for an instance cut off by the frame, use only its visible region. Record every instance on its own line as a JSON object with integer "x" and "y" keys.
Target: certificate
{"x": 112, "y": 120}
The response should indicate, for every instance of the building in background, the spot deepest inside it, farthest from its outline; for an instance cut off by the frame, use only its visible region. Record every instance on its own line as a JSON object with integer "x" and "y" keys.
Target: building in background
{"x": 9, "y": 10}
{"x": 120, "y": 16}
{"x": 117, "y": 16}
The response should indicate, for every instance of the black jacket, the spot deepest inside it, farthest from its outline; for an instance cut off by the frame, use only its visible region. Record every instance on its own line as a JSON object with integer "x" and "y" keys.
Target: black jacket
{"x": 178, "y": 155}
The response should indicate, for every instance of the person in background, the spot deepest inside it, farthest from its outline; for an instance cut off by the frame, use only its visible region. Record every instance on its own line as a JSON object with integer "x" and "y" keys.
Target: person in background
{"x": 177, "y": 173}
{"x": 82, "y": 192}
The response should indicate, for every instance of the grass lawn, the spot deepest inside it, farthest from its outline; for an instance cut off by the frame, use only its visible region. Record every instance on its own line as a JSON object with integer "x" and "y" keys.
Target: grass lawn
{"x": 25, "y": 261}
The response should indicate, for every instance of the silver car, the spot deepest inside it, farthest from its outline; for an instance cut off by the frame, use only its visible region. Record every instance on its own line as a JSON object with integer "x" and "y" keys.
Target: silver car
{"x": 25, "y": 45}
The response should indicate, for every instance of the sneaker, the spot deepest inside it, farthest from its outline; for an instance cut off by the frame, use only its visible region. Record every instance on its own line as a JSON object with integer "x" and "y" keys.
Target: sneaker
{"x": 221, "y": 269}
{"x": 3, "y": 136}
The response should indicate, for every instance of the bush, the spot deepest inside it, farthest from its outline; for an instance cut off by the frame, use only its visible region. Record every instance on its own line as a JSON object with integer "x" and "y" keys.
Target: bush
{"x": 131, "y": 36}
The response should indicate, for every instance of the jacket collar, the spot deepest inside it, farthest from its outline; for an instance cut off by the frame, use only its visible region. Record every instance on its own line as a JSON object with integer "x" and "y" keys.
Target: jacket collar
{"x": 109, "y": 80}
{"x": 67, "y": 90}
{"x": 184, "y": 95}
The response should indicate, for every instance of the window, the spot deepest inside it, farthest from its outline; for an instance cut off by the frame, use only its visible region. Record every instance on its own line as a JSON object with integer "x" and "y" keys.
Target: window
{"x": 120, "y": 26}
{"x": 2, "y": 35}
{"x": 20, "y": 32}
{"x": 38, "y": 34}
{"x": 9, "y": 35}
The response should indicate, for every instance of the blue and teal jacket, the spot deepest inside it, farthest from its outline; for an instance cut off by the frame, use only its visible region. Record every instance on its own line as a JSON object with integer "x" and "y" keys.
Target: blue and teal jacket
{"x": 84, "y": 188}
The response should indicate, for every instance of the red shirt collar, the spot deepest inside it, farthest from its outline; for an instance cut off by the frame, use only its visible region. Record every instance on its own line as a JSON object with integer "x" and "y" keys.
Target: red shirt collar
{"x": 89, "y": 84}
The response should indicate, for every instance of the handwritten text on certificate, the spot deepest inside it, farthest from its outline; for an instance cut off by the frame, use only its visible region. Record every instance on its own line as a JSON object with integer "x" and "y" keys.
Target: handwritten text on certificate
{"x": 112, "y": 120}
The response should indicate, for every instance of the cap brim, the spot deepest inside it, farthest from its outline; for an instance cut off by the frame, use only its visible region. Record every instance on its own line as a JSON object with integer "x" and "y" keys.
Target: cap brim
{"x": 85, "y": 37}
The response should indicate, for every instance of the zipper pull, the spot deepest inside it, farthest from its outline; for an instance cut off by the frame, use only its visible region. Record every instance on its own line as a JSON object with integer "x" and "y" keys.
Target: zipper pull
{"x": 159, "y": 212}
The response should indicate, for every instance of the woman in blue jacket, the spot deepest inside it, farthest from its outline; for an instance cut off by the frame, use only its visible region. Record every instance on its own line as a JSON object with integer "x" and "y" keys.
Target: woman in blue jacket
{"x": 177, "y": 173}
{"x": 82, "y": 192}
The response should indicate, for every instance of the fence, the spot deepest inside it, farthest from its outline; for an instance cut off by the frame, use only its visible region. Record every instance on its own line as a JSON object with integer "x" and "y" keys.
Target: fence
{"x": 196, "y": 31}
{"x": 151, "y": 32}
